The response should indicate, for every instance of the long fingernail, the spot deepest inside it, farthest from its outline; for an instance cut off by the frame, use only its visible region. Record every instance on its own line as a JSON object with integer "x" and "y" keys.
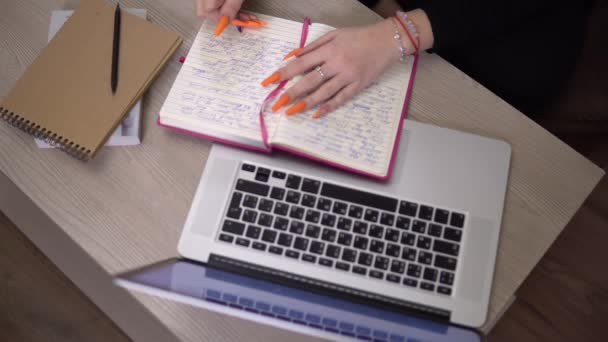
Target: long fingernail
{"x": 221, "y": 25}
{"x": 322, "y": 110}
{"x": 292, "y": 53}
{"x": 245, "y": 23}
{"x": 296, "y": 108}
{"x": 259, "y": 21}
{"x": 283, "y": 100}
{"x": 271, "y": 79}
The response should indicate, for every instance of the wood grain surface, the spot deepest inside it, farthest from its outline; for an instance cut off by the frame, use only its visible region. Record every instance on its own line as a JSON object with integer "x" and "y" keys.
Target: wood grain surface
{"x": 126, "y": 208}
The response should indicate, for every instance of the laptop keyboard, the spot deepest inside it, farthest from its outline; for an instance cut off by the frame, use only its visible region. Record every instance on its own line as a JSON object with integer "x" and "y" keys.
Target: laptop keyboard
{"x": 383, "y": 238}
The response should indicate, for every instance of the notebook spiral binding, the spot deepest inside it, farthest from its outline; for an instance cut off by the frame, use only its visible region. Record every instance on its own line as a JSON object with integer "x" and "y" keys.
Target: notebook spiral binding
{"x": 48, "y": 136}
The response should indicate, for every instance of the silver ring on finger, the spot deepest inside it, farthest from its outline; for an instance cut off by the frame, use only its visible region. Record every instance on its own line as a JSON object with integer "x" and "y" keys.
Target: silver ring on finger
{"x": 320, "y": 71}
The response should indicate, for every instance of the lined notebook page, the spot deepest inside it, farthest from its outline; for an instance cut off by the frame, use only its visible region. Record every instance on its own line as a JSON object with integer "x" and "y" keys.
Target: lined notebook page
{"x": 217, "y": 90}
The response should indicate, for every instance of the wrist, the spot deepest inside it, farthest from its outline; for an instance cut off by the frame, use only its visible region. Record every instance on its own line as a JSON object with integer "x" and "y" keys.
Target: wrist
{"x": 398, "y": 45}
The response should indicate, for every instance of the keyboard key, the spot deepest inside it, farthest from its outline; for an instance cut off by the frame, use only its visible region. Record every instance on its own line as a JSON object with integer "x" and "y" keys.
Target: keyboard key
{"x": 403, "y": 222}
{"x": 285, "y": 239}
{"x": 425, "y": 212}
{"x": 408, "y": 254}
{"x": 332, "y": 251}
{"x": 309, "y": 258}
{"x": 360, "y": 270}
{"x": 446, "y": 277}
{"x": 381, "y": 262}
{"x": 419, "y": 226}
{"x": 278, "y": 174}
{"x": 309, "y": 200}
{"x": 275, "y": 250}
{"x": 424, "y": 242}
{"x": 345, "y": 238}
{"x": 457, "y": 220}
{"x": 325, "y": 262}
{"x": 392, "y": 235}
{"x": 269, "y": 235}
{"x": 393, "y": 250}
{"x": 328, "y": 235}
{"x": 262, "y": 174}
{"x": 252, "y": 187}
{"x": 292, "y": 197}
{"x": 340, "y": 208}
{"x": 355, "y": 211}
{"x": 292, "y": 254}
{"x": 301, "y": 243}
{"x": 360, "y": 227}
{"x": 226, "y": 238}
{"x": 387, "y": 219}
{"x": 427, "y": 286}
{"x": 444, "y": 290}
{"x": 376, "y": 231}
{"x": 361, "y": 242}
{"x": 360, "y": 197}
{"x": 250, "y": 201}
{"x": 365, "y": 259}
{"x": 446, "y": 247}
{"x": 349, "y": 255}
{"x": 328, "y": 220}
{"x": 408, "y": 239}
{"x": 429, "y": 274}
{"x": 233, "y": 227}
{"x": 281, "y": 209}
{"x": 311, "y": 185}
{"x": 296, "y": 212}
{"x": 377, "y": 246}
{"x": 371, "y": 215}
{"x": 312, "y": 216}
{"x": 376, "y": 274}
{"x": 342, "y": 266}
{"x": 414, "y": 270}
{"x": 393, "y": 278}
{"x": 445, "y": 262}
{"x": 281, "y": 223}
{"x": 293, "y": 182}
{"x": 234, "y": 213}
{"x": 235, "y": 201}
{"x": 265, "y": 220}
{"x": 296, "y": 227}
{"x": 253, "y": 232}
{"x": 344, "y": 223}
{"x": 452, "y": 234}
{"x": 397, "y": 266}
{"x": 435, "y": 230}
{"x": 242, "y": 242}
{"x": 313, "y": 231}
{"x": 410, "y": 282}
{"x": 441, "y": 216}
{"x": 425, "y": 258}
{"x": 324, "y": 204}
{"x": 277, "y": 193}
{"x": 317, "y": 247}
{"x": 408, "y": 208}
{"x": 247, "y": 167}
{"x": 265, "y": 205}
{"x": 259, "y": 246}
{"x": 250, "y": 216}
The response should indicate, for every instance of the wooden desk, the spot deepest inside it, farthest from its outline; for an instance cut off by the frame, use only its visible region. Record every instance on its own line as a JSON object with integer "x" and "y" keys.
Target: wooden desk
{"x": 126, "y": 208}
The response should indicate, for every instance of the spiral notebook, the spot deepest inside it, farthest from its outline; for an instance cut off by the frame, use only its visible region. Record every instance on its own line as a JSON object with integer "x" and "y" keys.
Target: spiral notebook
{"x": 217, "y": 95}
{"x": 64, "y": 96}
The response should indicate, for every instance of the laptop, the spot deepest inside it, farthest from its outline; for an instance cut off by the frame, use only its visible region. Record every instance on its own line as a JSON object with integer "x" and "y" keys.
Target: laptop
{"x": 422, "y": 243}
{"x": 288, "y": 308}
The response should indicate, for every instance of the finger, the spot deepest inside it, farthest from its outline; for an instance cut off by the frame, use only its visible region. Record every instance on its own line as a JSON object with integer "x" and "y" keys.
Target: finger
{"x": 301, "y": 65}
{"x": 326, "y": 91}
{"x": 306, "y": 84}
{"x": 324, "y": 39}
{"x": 230, "y": 8}
{"x": 339, "y": 99}
{"x": 200, "y": 8}
{"x": 212, "y": 5}
{"x": 247, "y": 16}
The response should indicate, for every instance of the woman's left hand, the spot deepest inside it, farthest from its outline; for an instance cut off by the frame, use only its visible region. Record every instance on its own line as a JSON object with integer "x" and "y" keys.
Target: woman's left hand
{"x": 349, "y": 60}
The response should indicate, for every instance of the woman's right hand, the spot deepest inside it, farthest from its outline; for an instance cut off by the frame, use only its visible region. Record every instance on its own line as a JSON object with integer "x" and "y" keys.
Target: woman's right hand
{"x": 214, "y": 9}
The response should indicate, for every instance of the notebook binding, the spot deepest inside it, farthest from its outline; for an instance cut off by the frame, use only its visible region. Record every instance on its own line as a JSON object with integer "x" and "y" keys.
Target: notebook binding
{"x": 50, "y": 137}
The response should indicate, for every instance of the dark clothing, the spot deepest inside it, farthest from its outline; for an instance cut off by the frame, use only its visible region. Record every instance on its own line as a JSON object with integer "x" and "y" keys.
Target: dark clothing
{"x": 522, "y": 50}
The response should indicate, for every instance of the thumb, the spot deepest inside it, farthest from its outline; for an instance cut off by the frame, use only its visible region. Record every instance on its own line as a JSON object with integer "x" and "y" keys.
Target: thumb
{"x": 231, "y": 8}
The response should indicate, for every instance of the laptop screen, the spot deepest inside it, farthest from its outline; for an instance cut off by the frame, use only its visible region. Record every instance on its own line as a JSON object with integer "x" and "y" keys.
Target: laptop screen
{"x": 286, "y": 307}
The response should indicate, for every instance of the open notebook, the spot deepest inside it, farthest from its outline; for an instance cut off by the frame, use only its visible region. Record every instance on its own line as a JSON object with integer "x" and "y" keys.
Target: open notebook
{"x": 217, "y": 94}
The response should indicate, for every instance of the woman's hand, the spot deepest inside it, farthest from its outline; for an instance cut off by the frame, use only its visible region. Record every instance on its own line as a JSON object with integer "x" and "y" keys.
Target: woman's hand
{"x": 349, "y": 59}
{"x": 214, "y": 9}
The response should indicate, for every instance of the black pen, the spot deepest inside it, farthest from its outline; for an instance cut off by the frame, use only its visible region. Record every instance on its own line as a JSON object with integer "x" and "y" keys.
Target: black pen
{"x": 115, "y": 48}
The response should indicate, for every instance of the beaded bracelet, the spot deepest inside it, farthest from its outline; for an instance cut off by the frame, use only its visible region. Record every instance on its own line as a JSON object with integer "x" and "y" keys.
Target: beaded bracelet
{"x": 409, "y": 28}
{"x": 401, "y": 46}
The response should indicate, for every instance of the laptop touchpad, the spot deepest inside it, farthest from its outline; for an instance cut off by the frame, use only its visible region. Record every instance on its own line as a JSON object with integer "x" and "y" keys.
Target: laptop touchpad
{"x": 476, "y": 255}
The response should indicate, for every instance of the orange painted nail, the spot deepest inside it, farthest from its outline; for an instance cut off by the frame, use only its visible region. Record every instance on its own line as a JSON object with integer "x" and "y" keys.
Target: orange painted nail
{"x": 283, "y": 100}
{"x": 322, "y": 110}
{"x": 259, "y": 21}
{"x": 292, "y": 53}
{"x": 271, "y": 79}
{"x": 221, "y": 25}
{"x": 298, "y": 107}
{"x": 245, "y": 23}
